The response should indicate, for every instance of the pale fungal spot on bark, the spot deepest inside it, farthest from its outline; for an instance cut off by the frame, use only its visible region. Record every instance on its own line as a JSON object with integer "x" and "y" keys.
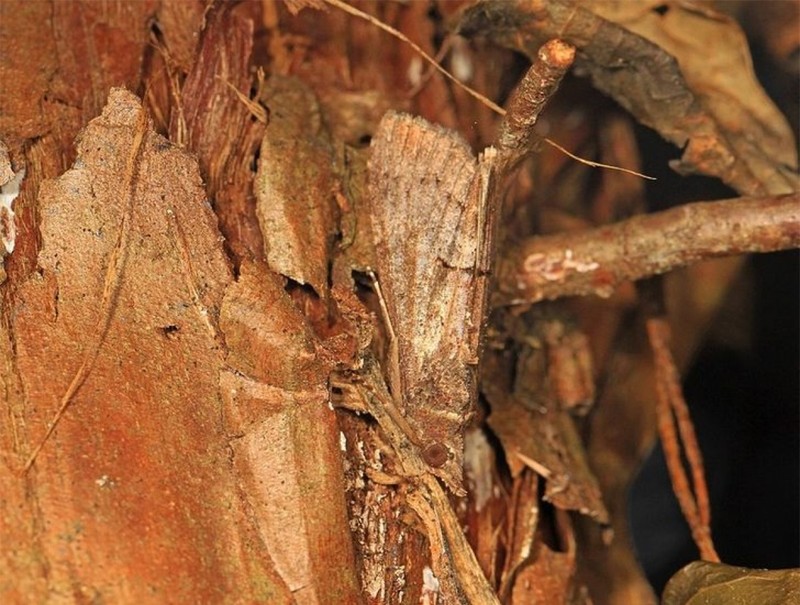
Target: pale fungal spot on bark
{"x": 538, "y": 267}
{"x": 430, "y": 583}
{"x": 414, "y": 72}
{"x": 8, "y": 193}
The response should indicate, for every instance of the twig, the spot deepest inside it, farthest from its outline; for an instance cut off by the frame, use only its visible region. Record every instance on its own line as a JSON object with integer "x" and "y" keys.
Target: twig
{"x": 515, "y": 136}
{"x": 595, "y": 261}
{"x": 111, "y": 283}
{"x": 471, "y": 91}
{"x": 693, "y": 501}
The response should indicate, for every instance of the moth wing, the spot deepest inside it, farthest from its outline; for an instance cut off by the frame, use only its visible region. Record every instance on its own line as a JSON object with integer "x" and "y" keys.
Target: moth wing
{"x": 427, "y": 235}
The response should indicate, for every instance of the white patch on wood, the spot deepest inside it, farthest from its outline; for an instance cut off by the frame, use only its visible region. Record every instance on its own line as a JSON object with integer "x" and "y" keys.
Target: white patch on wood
{"x": 8, "y": 193}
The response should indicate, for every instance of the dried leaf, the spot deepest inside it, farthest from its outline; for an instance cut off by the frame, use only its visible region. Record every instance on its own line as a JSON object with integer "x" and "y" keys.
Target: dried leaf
{"x": 545, "y": 440}
{"x": 569, "y": 367}
{"x": 723, "y": 81}
{"x": 621, "y": 432}
{"x": 717, "y": 584}
{"x": 548, "y": 578}
{"x": 668, "y": 93}
{"x": 525, "y": 509}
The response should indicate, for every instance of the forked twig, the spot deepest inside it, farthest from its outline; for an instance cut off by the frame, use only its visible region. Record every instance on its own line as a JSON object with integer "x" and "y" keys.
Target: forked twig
{"x": 693, "y": 500}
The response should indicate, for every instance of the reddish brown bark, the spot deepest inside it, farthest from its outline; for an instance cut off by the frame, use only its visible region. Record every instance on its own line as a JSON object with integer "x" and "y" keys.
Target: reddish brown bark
{"x": 247, "y": 348}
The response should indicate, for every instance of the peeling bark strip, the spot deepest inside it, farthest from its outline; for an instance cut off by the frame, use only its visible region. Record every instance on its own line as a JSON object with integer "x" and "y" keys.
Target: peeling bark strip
{"x": 111, "y": 282}
{"x": 295, "y": 185}
{"x": 600, "y": 259}
{"x": 286, "y": 451}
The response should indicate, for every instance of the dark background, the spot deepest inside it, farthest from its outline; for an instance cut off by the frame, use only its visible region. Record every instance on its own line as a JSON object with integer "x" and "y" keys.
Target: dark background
{"x": 744, "y": 400}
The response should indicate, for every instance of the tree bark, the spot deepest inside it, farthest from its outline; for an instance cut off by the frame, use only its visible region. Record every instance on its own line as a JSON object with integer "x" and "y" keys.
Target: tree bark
{"x": 274, "y": 313}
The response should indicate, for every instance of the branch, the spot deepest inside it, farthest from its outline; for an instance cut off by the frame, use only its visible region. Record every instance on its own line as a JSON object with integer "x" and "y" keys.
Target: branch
{"x": 597, "y": 260}
{"x": 515, "y": 136}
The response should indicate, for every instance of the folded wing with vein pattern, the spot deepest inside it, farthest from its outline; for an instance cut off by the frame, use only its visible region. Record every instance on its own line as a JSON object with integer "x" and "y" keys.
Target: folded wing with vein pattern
{"x": 428, "y": 224}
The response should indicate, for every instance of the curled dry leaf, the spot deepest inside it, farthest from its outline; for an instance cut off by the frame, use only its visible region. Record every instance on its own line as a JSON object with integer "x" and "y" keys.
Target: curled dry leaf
{"x": 546, "y": 440}
{"x": 703, "y": 583}
{"x": 535, "y": 429}
{"x": 723, "y": 81}
{"x": 549, "y": 575}
{"x": 726, "y": 124}
{"x": 522, "y": 528}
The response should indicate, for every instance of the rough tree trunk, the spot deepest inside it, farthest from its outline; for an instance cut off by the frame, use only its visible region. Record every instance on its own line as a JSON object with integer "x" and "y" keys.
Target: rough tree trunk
{"x": 270, "y": 339}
